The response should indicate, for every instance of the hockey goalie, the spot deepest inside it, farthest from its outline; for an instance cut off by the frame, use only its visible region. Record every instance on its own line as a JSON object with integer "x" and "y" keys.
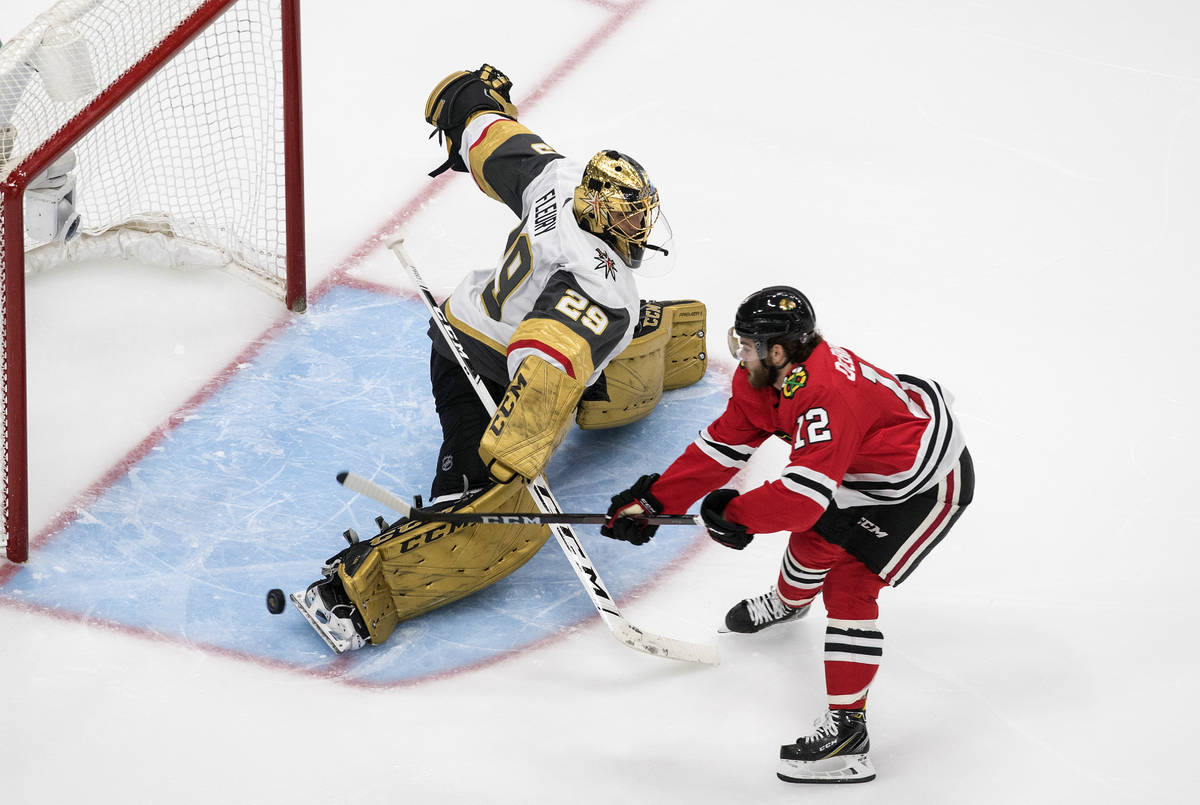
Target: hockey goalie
{"x": 556, "y": 331}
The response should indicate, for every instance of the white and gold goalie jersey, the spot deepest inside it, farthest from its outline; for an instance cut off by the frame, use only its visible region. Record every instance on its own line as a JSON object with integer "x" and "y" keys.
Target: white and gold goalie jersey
{"x": 559, "y": 293}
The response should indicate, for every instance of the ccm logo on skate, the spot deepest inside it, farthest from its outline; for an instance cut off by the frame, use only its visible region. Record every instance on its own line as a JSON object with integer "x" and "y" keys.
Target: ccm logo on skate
{"x": 874, "y": 529}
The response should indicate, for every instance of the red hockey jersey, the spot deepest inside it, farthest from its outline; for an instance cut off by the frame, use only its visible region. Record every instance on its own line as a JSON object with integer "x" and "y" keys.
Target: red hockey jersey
{"x": 859, "y": 437}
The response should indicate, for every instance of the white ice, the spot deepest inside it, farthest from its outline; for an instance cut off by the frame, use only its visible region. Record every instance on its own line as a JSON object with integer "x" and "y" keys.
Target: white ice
{"x": 1000, "y": 195}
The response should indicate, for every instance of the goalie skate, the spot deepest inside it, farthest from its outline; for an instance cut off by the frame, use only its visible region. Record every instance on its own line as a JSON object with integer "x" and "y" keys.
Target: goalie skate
{"x": 325, "y": 606}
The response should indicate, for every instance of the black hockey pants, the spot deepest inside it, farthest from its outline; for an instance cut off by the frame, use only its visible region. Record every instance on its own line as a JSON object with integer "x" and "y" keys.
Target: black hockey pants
{"x": 463, "y": 419}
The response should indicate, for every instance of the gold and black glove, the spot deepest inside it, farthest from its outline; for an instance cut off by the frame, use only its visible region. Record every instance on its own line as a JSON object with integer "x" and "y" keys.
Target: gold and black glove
{"x": 457, "y": 98}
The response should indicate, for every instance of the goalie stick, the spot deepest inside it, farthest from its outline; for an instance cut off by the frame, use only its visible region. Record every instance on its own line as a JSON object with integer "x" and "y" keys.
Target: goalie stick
{"x": 602, "y": 600}
{"x": 372, "y": 490}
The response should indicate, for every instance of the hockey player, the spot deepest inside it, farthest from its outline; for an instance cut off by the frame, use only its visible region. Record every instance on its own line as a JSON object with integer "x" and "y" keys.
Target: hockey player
{"x": 877, "y": 475}
{"x": 561, "y": 307}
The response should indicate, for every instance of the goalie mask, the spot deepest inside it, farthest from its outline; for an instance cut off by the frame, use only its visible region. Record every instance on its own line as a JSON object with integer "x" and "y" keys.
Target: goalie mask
{"x": 617, "y": 202}
{"x": 776, "y": 315}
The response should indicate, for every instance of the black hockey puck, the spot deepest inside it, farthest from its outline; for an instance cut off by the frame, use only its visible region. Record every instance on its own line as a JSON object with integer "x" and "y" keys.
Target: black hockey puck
{"x": 275, "y": 601}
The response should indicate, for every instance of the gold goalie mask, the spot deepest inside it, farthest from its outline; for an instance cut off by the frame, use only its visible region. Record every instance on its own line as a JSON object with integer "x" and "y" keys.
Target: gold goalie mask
{"x": 617, "y": 202}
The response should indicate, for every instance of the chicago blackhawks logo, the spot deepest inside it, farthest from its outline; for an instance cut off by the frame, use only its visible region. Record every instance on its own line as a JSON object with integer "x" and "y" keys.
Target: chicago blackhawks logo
{"x": 796, "y": 380}
{"x": 606, "y": 264}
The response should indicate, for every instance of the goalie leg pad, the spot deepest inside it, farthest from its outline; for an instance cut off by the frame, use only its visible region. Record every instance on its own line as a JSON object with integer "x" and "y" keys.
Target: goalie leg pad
{"x": 668, "y": 352}
{"x": 416, "y": 566}
{"x": 367, "y": 588}
{"x": 687, "y": 351}
{"x": 633, "y": 381}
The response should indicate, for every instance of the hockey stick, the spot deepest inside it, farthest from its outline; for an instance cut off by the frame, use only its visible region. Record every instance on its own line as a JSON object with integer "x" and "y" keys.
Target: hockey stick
{"x": 367, "y": 488}
{"x": 622, "y": 629}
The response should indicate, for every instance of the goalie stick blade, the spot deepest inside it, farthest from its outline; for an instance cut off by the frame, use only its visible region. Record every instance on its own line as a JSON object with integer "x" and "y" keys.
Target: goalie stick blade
{"x": 659, "y": 646}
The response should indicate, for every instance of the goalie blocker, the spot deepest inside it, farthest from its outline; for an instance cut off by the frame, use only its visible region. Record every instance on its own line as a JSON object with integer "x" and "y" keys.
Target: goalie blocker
{"x": 667, "y": 352}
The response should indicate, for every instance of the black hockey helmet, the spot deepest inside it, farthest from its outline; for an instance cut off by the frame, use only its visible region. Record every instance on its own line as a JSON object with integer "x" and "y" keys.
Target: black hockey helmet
{"x": 776, "y": 315}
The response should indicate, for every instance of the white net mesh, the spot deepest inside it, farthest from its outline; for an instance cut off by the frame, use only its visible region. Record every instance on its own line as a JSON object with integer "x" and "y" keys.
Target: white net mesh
{"x": 188, "y": 169}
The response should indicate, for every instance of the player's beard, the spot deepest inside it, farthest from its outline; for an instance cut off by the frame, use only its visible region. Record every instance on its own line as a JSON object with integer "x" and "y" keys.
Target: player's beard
{"x": 761, "y": 375}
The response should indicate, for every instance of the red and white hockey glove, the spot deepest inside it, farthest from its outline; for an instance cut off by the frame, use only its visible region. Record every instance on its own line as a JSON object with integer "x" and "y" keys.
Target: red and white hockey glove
{"x": 628, "y": 510}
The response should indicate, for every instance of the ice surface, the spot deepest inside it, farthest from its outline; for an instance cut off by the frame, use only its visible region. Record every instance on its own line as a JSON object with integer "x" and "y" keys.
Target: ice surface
{"x": 1002, "y": 196}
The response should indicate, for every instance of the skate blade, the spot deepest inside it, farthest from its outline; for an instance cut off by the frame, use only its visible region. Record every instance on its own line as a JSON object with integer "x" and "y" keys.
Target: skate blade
{"x": 338, "y": 646}
{"x": 841, "y": 769}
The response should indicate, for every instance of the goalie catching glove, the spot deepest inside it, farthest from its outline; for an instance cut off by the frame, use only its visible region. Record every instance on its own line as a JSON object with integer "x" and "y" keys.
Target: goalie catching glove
{"x": 628, "y": 511}
{"x": 460, "y": 96}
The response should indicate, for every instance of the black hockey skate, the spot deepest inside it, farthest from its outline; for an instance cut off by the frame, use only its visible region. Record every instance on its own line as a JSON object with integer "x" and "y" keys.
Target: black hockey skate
{"x": 835, "y": 752}
{"x": 755, "y": 614}
{"x": 328, "y": 609}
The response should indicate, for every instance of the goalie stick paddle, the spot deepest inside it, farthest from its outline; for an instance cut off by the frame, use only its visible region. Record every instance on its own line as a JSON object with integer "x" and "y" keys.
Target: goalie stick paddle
{"x": 366, "y": 488}
{"x": 602, "y": 600}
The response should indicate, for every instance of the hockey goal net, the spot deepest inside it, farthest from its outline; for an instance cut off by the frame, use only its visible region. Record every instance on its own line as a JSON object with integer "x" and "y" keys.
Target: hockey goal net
{"x": 183, "y": 121}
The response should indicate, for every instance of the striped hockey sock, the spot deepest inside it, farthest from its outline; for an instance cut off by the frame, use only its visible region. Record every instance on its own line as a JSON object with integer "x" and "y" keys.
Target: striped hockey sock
{"x": 853, "y": 650}
{"x": 798, "y": 584}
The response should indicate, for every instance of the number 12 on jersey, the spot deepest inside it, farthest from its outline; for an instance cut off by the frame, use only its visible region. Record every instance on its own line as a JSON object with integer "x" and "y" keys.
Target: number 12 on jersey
{"x": 813, "y": 424}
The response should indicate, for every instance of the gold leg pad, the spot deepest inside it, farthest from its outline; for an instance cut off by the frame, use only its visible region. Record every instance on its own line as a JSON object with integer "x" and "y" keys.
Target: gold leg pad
{"x": 419, "y": 567}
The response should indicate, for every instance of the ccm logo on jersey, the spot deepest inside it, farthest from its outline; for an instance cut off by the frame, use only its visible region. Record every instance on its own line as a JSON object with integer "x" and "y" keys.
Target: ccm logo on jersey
{"x": 874, "y": 529}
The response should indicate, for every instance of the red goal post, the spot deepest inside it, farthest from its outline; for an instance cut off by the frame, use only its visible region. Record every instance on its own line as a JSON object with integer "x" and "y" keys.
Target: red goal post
{"x": 184, "y": 118}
